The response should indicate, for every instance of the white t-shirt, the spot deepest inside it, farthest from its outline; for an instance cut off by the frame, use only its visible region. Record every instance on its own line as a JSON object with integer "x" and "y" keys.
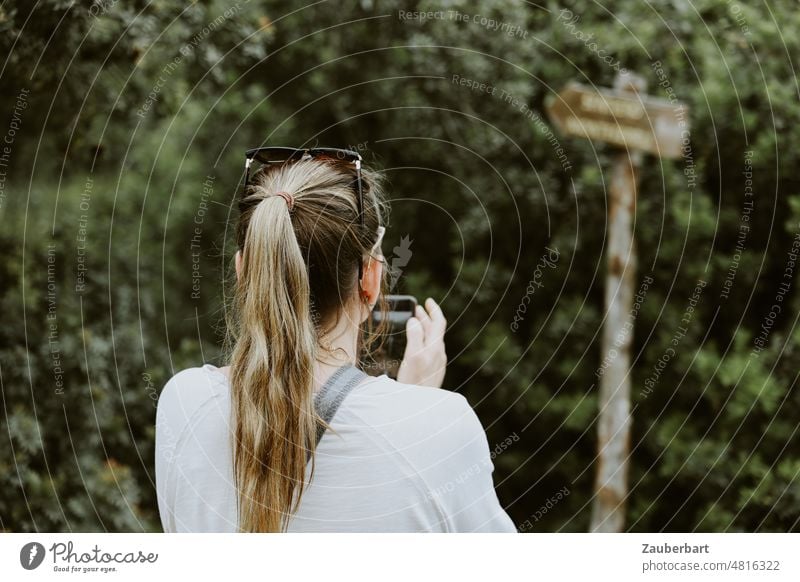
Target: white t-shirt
{"x": 397, "y": 458}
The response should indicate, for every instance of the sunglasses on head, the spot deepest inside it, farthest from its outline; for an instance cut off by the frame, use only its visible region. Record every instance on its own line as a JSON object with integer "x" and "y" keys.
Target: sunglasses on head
{"x": 282, "y": 155}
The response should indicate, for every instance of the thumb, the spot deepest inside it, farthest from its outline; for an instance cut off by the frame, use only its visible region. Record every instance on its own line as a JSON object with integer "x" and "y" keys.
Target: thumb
{"x": 415, "y": 337}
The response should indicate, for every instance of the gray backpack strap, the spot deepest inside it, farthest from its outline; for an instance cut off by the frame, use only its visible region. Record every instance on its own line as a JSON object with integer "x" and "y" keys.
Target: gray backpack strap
{"x": 333, "y": 393}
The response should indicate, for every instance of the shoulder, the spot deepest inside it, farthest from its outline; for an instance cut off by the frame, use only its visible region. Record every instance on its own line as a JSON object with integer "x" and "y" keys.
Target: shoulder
{"x": 194, "y": 383}
{"x": 189, "y": 392}
{"x": 430, "y": 425}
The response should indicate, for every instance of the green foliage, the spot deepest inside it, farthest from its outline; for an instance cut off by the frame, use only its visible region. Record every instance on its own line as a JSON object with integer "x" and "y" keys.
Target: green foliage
{"x": 476, "y": 185}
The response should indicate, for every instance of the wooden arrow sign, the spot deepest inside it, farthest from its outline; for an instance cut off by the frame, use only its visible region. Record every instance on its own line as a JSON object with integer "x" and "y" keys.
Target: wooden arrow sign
{"x": 629, "y": 121}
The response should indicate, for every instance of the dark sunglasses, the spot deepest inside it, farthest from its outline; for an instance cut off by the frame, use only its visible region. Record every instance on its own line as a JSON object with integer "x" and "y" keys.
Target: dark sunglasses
{"x": 281, "y": 155}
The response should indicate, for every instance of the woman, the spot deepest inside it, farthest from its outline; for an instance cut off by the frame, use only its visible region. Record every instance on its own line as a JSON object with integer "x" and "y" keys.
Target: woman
{"x": 255, "y": 446}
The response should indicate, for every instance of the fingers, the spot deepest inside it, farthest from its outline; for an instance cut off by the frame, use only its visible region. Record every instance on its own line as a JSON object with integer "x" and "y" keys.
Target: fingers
{"x": 424, "y": 319}
{"x": 438, "y": 322}
{"x": 424, "y": 360}
{"x": 415, "y": 337}
{"x": 432, "y": 320}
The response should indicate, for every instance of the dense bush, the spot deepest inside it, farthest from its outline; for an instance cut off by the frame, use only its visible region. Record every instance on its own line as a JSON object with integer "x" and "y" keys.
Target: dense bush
{"x": 478, "y": 188}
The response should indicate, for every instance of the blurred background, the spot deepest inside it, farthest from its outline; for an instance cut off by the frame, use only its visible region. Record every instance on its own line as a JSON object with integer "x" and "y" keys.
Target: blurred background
{"x": 124, "y": 127}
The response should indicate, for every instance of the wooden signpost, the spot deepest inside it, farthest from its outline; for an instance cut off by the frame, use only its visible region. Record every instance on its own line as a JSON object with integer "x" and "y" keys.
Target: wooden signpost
{"x": 626, "y": 118}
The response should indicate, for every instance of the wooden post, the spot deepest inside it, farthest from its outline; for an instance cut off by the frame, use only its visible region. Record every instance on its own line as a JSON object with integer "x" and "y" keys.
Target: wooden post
{"x": 635, "y": 123}
{"x": 614, "y": 421}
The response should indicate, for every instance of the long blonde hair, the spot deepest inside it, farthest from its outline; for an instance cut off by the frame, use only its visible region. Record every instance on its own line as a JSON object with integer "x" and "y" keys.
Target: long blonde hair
{"x": 299, "y": 271}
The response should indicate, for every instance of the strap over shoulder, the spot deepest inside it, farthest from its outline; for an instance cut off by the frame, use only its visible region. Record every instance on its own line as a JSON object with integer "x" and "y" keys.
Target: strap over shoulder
{"x": 333, "y": 393}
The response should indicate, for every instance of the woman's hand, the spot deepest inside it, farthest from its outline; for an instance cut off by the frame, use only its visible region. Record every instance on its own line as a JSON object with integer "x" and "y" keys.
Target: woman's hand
{"x": 424, "y": 360}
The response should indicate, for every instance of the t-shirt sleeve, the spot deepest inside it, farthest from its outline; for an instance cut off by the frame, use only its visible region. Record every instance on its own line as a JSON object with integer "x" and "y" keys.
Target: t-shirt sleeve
{"x": 462, "y": 485}
{"x": 193, "y": 475}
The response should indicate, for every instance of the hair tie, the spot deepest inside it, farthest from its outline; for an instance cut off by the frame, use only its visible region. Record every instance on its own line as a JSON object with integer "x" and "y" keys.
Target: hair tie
{"x": 288, "y": 198}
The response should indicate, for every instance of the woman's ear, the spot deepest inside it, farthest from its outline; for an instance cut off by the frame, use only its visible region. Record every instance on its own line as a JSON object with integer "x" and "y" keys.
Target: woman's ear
{"x": 371, "y": 281}
{"x": 238, "y": 262}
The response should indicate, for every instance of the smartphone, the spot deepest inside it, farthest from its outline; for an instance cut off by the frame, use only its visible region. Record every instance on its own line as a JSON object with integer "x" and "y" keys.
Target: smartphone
{"x": 386, "y": 360}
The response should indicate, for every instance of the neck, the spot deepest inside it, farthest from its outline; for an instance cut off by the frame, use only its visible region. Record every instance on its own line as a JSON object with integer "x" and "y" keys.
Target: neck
{"x": 338, "y": 347}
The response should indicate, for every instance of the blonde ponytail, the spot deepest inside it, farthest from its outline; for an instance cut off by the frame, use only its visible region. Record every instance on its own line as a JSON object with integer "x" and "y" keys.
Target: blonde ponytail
{"x": 272, "y": 371}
